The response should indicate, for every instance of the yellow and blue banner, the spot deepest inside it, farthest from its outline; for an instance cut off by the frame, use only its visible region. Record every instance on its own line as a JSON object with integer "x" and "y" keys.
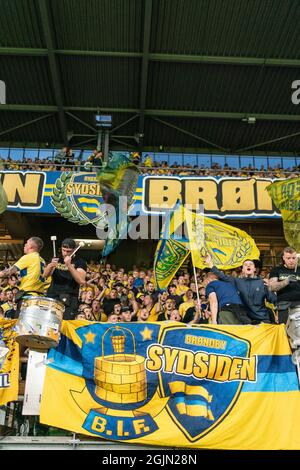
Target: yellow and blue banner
{"x": 9, "y": 362}
{"x": 52, "y": 192}
{"x": 117, "y": 179}
{"x": 286, "y": 197}
{"x": 3, "y": 199}
{"x": 171, "y": 250}
{"x": 167, "y": 384}
{"x": 228, "y": 246}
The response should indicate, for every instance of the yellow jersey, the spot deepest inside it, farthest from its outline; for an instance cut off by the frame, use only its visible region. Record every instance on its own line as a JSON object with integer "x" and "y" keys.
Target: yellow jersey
{"x": 31, "y": 269}
{"x": 184, "y": 307}
{"x": 180, "y": 290}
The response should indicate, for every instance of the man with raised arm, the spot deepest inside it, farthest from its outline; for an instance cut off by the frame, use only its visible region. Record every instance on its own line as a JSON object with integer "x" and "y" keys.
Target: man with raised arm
{"x": 68, "y": 274}
{"x": 252, "y": 290}
{"x": 30, "y": 268}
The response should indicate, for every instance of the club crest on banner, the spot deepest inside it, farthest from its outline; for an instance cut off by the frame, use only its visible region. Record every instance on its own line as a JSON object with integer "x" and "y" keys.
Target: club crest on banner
{"x": 77, "y": 197}
{"x": 118, "y": 382}
{"x": 201, "y": 376}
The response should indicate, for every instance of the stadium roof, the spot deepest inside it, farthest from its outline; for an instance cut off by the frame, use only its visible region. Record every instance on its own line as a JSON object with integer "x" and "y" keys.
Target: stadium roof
{"x": 185, "y": 74}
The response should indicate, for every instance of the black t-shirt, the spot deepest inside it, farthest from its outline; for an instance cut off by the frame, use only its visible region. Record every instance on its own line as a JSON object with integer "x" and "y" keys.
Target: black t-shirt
{"x": 63, "y": 281}
{"x": 177, "y": 299}
{"x": 292, "y": 291}
{"x": 189, "y": 315}
{"x": 108, "y": 305}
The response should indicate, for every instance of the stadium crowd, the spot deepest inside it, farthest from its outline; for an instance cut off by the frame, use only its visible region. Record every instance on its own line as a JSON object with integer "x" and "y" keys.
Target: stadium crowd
{"x": 115, "y": 295}
{"x": 65, "y": 160}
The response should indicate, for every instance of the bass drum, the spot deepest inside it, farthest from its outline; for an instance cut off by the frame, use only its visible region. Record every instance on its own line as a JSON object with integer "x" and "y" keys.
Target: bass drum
{"x": 39, "y": 323}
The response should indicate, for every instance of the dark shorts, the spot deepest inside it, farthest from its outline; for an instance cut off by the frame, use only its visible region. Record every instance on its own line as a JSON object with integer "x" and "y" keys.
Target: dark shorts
{"x": 70, "y": 302}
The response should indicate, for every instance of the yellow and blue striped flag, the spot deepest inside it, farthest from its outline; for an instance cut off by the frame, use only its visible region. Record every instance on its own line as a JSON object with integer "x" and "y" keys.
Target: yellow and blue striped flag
{"x": 168, "y": 384}
{"x": 9, "y": 362}
{"x": 3, "y": 199}
{"x": 172, "y": 250}
{"x": 286, "y": 197}
{"x": 117, "y": 179}
{"x": 228, "y": 246}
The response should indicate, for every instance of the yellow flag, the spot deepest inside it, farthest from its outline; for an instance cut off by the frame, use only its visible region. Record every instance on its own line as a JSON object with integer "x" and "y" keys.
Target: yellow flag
{"x": 228, "y": 246}
{"x": 9, "y": 362}
{"x": 239, "y": 392}
{"x": 286, "y": 197}
{"x": 172, "y": 250}
{"x": 3, "y": 199}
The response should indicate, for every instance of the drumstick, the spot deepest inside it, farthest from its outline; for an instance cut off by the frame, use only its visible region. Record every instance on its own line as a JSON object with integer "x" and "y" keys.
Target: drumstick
{"x": 53, "y": 239}
{"x": 79, "y": 246}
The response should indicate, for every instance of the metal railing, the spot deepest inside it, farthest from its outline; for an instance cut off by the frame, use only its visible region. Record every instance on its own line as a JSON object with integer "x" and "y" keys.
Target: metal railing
{"x": 163, "y": 170}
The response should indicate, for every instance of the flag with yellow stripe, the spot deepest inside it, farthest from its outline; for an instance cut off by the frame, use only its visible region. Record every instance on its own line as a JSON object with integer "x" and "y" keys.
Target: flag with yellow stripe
{"x": 191, "y": 400}
{"x": 3, "y": 199}
{"x": 228, "y": 246}
{"x": 165, "y": 384}
{"x": 172, "y": 250}
{"x": 9, "y": 362}
{"x": 286, "y": 197}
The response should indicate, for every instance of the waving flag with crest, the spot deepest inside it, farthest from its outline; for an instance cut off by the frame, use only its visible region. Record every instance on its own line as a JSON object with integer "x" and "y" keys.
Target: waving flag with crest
{"x": 172, "y": 249}
{"x": 228, "y": 246}
{"x": 118, "y": 181}
{"x": 286, "y": 197}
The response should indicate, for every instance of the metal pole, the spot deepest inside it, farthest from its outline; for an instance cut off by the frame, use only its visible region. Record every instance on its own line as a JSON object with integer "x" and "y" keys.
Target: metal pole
{"x": 99, "y": 139}
{"x": 196, "y": 282}
{"x": 106, "y": 146}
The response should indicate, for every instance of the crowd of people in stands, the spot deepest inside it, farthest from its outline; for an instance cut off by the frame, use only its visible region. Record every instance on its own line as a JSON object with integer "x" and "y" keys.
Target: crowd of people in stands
{"x": 111, "y": 294}
{"x": 65, "y": 160}
{"x": 114, "y": 294}
{"x": 98, "y": 292}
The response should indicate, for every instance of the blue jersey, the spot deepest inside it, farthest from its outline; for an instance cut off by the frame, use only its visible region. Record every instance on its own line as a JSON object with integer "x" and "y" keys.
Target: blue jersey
{"x": 226, "y": 293}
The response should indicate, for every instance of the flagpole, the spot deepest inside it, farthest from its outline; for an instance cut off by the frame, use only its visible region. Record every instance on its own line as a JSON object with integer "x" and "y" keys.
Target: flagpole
{"x": 196, "y": 282}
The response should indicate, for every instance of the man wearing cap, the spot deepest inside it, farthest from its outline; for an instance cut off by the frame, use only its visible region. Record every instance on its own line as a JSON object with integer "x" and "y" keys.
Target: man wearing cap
{"x": 68, "y": 274}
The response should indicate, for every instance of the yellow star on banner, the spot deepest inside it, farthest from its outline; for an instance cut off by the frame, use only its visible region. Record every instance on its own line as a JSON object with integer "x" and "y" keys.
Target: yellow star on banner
{"x": 89, "y": 337}
{"x": 146, "y": 334}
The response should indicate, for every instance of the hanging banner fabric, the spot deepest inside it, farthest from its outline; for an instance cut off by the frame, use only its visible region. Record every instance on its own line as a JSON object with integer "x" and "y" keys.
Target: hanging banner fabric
{"x": 166, "y": 384}
{"x": 228, "y": 246}
{"x": 76, "y": 195}
{"x": 286, "y": 197}
{"x": 171, "y": 251}
{"x": 9, "y": 362}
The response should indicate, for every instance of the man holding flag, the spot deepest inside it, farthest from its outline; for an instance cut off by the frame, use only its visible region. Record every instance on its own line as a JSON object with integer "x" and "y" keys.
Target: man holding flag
{"x": 285, "y": 279}
{"x": 228, "y": 246}
{"x": 225, "y": 304}
{"x": 252, "y": 291}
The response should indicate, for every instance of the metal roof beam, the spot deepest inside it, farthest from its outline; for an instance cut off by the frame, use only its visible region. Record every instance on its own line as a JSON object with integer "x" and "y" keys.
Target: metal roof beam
{"x": 29, "y": 51}
{"x": 82, "y": 122}
{"x": 183, "y": 131}
{"x": 157, "y": 57}
{"x": 55, "y": 75}
{"x": 27, "y": 123}
{"x": 122, "y": 124}
{"x": 145, "y": 65}
{"x": 155, "y": 112}
{"x": 203, "y": 59}
{"x": 76, "y": 52}
{"x": 261, "y": 144}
